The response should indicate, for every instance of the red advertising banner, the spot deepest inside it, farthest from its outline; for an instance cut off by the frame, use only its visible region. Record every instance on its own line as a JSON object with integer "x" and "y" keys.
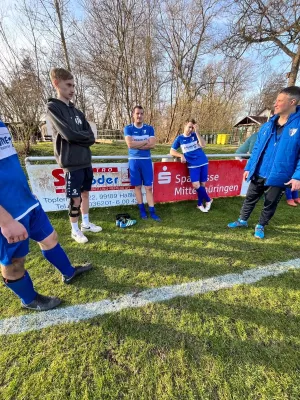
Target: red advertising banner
{"x": 172, "y": 181}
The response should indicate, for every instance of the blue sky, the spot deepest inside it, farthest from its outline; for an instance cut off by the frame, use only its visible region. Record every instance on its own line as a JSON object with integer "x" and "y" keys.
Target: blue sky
{"x": 280, "y": 63}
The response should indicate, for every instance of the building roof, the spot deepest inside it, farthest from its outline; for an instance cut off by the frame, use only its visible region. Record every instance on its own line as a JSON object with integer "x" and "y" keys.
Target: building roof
{"x": 252, "y": 120}
{"x": 266, "y": 110}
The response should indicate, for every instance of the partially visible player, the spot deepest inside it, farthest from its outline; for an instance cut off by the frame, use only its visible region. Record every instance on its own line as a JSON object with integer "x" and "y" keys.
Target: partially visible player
{"x": 292, "y": 198}
{"x": 247, "y": 146}
{"x": 140, "y": 139}
{"x": 191, "y": 144}
{"x": 21, "y": 218}
{"x": 72, "y": 140}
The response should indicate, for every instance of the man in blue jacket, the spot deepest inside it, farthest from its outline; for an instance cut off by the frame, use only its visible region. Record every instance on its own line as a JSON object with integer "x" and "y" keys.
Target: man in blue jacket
{"x": 275, "y": 160}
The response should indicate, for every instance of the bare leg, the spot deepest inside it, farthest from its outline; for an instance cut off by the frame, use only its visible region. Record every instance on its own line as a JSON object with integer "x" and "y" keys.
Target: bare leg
{"x": 149, "y": 196}
{"x": 15, "y": 270}
{"x": 150, "y": 201}
{"x": 50, "y": 242}
{"x": 85, "y": 203}
{"x": 138, "y": 194}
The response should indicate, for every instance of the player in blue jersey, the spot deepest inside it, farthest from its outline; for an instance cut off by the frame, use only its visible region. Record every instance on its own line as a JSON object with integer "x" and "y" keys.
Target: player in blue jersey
{"x": 191, "y": 144}
{"x": 21, "y": 218}
{"x": 140, "y": 139}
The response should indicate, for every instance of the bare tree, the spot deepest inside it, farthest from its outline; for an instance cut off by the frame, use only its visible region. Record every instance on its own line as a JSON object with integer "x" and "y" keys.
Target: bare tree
{"x": 120, "y": 56}
{"x": 20, "y": 101}
{"x": 265, "y": 96}
{"x": 158, "y": 53}
{"x": 21, "y": 83}
{"x": 273, "y": 25}
{"x": 185, "y": 36}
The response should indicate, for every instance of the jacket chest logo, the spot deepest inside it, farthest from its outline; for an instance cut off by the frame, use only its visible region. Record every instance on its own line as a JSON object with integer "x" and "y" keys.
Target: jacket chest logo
{"x": 293, "y": 131}
{"x": 78, "y": 120}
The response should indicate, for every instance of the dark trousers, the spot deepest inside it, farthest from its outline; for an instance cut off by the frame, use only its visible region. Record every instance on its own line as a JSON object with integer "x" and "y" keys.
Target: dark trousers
{"x": 272, "y": 195}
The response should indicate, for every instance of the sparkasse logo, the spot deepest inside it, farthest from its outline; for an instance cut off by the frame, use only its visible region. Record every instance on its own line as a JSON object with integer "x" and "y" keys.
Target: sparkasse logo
{"x": 164, "y": 178}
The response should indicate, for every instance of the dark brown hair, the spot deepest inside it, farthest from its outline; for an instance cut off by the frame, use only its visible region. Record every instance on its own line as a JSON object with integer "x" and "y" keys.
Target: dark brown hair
{"x": 187, "y": 121}
{"x": 136, "y": 107}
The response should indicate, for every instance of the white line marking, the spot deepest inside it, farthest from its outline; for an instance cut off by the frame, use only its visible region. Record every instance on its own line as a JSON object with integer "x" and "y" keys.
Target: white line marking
{"x": 36, "y": 321}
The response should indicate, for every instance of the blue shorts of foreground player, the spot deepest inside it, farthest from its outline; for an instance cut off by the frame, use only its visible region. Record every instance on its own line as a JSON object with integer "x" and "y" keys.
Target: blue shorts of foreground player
{"x": 141, "y": 172}
{"x": 38, "y": 227}
{"x": 199, "y": 174}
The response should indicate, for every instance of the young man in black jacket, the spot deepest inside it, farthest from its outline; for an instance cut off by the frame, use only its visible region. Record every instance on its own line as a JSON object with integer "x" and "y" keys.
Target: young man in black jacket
{"x": 72, "y": 139}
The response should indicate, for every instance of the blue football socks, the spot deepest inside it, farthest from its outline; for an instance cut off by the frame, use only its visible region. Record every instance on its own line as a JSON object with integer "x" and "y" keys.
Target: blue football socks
{"x": 202, "y": 195}
{"x": 59, "y": 259}
{"x": 206, "y": 196}
{"x": 153, "y": 214}
{"x": 22, "y": 287}
{"x": 142, "y": 209}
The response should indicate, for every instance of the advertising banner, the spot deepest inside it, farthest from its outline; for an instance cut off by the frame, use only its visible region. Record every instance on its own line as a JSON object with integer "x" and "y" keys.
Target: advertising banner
{"x": 110, "y": 187}
{"x": 172, "y": 181}
{"x": 111, "y": 184}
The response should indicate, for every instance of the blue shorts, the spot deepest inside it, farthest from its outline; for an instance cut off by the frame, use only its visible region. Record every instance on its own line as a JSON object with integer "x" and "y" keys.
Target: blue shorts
{"x": 141, "y": 172}
{"x": 38, "y": 227}
{"x": 199, "y": 174}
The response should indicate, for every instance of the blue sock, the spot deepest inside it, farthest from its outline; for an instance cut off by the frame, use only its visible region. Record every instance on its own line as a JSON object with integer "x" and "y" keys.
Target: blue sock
{"x": 205, "y": 195}
{"x": 153, "y": 214}
{"x": 288, "y": 193}
{"x": 59, "y": 259}
{"x": 295, "y": 194}
{"x": 142, "y": 209}
{"x": 23, "y": 288}
{"x": 200, "y": 195}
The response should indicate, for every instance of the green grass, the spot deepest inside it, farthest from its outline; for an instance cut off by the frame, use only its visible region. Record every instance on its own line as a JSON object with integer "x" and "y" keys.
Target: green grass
{"x": 240, "y": 343}
{"x": 118, "y": 148}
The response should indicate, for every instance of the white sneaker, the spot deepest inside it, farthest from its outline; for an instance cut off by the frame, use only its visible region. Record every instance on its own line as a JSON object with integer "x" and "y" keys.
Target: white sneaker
{"x": 202, "y": 208}
{"x": 79, "y": 237}
{"x": 208, "y": 205}
{"x": 90, "y": 228}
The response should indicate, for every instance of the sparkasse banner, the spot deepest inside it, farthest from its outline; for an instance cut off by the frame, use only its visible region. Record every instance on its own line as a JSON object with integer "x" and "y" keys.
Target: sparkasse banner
{"x": 172, "y": 181}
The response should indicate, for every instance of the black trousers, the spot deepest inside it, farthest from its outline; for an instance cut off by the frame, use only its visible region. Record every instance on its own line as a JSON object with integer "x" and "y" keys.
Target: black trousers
{"x": 272, "y": 196}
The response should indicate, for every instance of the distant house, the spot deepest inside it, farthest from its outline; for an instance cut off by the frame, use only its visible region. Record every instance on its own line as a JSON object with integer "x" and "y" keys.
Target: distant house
{"x": 249, "y": 125}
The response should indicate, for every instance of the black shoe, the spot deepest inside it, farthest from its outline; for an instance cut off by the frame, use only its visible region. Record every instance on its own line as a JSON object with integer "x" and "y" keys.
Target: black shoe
{"x": 42, "y": 303}
{"x": 78, "y": 271}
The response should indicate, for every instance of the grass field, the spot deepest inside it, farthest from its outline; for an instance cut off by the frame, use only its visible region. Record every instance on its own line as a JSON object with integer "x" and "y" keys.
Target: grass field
{"x": 240, "y": 343}
{"x": 118, "y": 148}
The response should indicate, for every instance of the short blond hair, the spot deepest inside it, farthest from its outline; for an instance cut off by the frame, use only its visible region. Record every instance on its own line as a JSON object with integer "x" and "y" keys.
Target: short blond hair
{"x": 60, "y": 74}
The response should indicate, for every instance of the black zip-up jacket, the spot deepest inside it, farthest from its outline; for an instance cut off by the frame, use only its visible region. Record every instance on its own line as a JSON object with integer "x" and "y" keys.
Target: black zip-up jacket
{"x": 72, "y": 135}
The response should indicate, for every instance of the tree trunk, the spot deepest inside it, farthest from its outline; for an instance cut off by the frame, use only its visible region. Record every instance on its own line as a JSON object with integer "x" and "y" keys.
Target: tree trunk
{"x": 62, "y": 34}
{"x": 295, "y": 68}
{"x": 112, "y": 95}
